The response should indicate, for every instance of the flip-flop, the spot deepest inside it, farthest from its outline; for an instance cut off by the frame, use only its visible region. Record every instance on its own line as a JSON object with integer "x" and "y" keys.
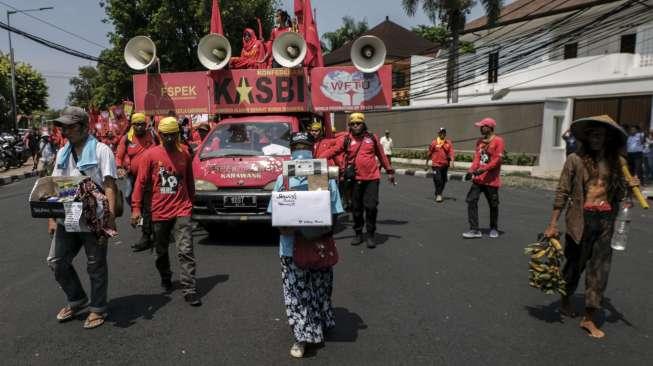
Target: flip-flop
{"x": 73, "y": 311}
{"x": 95, "y": 322}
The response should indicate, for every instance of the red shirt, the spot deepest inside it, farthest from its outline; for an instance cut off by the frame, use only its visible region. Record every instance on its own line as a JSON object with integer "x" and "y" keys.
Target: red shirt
{"x": 129, "y": 153}
{"x": 487, "y": 156}
{"x": 170, "y": 175}
{"x": 441, "y": 155}
{"x": 321, "y": 150}
{"x": 363, "y": 151}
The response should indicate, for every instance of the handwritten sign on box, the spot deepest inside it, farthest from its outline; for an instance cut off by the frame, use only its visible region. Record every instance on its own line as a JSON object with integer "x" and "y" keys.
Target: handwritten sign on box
{"x": 301, "y": 208}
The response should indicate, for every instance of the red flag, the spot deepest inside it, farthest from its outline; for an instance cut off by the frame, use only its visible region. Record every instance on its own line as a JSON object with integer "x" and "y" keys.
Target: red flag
{"x": 314, "y": 55}
{"x": 216, "y": 20}
{"x": 299, "y": 8}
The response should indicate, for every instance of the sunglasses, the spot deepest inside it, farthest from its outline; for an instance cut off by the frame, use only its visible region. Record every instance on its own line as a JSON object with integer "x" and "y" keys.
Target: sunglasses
{"x": 355, "y": 123}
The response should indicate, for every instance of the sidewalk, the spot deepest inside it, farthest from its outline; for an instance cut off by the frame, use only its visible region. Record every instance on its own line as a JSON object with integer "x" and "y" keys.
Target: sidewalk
{"x": 16, "y": 174}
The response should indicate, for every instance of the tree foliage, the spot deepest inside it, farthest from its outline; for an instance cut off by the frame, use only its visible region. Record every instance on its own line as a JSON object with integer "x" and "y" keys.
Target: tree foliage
{"x": 349, "y": 31}
{"x": 452, "y": 13}
{"x": 83, "y": 86}
{"x": 31, "y": 89}
{"x": 440, "y": 35}
{"x": 176, "y": 28}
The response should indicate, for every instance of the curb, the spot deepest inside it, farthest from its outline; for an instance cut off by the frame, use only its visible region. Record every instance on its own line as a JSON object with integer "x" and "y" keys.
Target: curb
{"x": 16, "y": 177}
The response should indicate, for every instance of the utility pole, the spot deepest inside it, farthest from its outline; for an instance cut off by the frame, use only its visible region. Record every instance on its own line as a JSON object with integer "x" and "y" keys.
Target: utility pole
{"x": 14, "y": 105}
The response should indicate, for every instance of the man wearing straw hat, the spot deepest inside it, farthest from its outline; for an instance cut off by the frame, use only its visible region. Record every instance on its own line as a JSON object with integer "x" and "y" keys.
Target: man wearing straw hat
{"x": 591, "y": 188}
{"x": 168, "y": 170}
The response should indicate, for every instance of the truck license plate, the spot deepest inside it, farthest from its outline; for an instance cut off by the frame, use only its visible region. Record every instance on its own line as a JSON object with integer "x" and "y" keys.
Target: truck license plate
{"x": 240, "y": 201}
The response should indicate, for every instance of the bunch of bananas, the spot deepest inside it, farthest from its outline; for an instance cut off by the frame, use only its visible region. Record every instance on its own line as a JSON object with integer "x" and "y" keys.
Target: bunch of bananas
{"x": 544, "y": 266}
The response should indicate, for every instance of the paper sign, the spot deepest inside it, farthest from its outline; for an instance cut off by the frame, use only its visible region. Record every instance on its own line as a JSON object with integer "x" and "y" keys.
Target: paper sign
{"x": 301, "y": 208}
{"x": 73, "y": 214}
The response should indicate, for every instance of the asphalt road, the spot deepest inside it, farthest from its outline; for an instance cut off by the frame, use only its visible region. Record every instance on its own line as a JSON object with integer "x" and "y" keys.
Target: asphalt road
{"x": 424, "y": 296}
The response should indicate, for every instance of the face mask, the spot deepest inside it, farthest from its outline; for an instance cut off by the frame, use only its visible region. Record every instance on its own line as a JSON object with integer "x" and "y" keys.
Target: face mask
{"x": 302, "y": 154}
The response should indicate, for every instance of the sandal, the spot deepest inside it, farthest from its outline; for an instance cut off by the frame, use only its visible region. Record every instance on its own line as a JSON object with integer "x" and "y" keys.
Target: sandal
{"x": 68, "y": 312}
{"x": 94, "y": 320}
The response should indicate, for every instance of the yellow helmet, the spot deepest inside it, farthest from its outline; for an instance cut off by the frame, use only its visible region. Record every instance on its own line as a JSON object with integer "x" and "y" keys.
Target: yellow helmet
{"x": 356, "y": 117}
{"x": 316, "y": 125}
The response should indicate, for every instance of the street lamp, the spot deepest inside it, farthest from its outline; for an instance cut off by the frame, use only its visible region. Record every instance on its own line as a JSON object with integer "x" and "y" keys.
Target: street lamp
{"x": 14, "y": 106}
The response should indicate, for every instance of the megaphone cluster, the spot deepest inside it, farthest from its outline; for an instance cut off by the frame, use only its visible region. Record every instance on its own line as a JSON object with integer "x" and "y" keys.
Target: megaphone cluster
{"x": 288, "y": 50}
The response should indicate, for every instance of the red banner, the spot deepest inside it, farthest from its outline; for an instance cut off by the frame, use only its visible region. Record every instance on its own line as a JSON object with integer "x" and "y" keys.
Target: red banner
{"x": 181, "y": 92}
{"x": 260, "y": 91}
{"x": 344, "y": 88}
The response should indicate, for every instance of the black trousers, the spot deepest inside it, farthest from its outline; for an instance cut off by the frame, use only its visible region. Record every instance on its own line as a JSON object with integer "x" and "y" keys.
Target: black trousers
{"x": 636, "y": 164}
{"x": 440, "y": 178}
{"x": 364, "y": 200}
{"x": 593, "y": 255}
{"x": 492, "y": 196}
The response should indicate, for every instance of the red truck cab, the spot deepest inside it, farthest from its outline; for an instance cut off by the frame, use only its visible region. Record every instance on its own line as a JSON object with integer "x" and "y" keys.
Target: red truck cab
{"x": 236, "y": 166}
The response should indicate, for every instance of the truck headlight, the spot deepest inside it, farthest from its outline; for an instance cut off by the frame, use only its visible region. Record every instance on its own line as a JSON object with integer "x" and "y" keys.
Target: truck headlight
{"x": 202, "y": 185}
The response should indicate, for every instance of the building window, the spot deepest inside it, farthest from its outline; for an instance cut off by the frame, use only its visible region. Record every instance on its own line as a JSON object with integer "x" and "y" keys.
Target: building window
{"x": 557, "y": 130}
{"x": 628, "y": 43}
{"x": 571, "y": 50}
{"x": 493, "y": 68}
{"x": 398, "y": 79}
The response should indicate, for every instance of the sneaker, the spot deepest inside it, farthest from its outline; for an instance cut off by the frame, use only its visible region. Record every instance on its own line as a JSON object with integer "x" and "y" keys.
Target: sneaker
{"x": 143, "y": 244}
{"x": 357, "y": 240}
{"x": 166, "y": 283}
{"x": 297, "y": 349}
{"x": 494, "y": 234}
{"x": 193, "y": 299}
{"x": 369, "y": 241}
{"x": 472, "y": 234}
{"x": 438, "y": 198}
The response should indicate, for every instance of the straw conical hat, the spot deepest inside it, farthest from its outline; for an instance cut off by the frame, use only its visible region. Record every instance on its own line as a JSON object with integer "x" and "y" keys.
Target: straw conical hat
{"x": 579, "y": 127}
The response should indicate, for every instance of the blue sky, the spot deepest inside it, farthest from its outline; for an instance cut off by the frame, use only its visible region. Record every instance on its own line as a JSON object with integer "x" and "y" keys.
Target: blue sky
{"x": 83, "y": 18}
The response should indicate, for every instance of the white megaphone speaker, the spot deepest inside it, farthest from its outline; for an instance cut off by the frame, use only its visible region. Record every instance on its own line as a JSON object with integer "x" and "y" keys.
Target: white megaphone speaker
{"x": 214, "y": 51}
{"x": 368, "y": 54}
{"x": 140, "y": 53}
{"x": 289, "y": 49}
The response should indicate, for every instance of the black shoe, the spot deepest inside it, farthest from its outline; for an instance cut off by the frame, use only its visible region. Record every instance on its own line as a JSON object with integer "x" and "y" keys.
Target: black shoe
{"x": 166, "y": 283}
{"x": 193, "y": 299}
{"x": 143, "y": 244}
{"x": 357, "y": 240}
{"x": 370, "y": 242}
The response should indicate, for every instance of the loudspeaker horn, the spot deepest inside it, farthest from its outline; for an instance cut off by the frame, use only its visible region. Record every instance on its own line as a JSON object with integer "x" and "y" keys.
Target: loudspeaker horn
{"x": 289, "y": 49}
{"x": 368, "y": 54}
{"x": 140, "y": 53}
{"x": 214, "y": 51}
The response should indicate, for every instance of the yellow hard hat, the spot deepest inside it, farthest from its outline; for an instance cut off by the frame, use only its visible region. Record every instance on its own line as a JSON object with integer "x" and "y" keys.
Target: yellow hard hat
{"x": 356, "y": 117}
{"x": 169, "y": 125}
{"x": 316, "y": 125}
{"x": 138, "y": 118}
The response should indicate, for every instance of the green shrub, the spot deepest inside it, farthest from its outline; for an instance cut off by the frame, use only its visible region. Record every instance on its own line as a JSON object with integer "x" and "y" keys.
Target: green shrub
{"x": 521, "y": 159}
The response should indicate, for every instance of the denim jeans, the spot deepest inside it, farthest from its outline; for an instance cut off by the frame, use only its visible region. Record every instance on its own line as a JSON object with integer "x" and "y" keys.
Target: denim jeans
{"x": 64, "y": 248}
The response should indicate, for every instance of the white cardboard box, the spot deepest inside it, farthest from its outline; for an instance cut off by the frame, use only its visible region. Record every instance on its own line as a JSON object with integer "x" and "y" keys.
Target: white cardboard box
{"x": 301, "y": 208}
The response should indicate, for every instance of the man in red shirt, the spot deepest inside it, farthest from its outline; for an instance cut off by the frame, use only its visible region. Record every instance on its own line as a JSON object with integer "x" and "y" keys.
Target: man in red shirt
{"x": 131, "y": 149}
{"x": 168, "y": 170}
{"x": 441, "y": 155}
{"x": 485, "y": 174}
{"x": 362, "y": 149}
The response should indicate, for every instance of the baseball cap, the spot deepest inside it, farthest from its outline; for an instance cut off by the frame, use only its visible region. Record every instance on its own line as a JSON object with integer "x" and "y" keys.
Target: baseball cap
{"x": 442, "y": 129}
{"x": 301, "y": 138}
{"x": 487, "y": 122}
{"x": 71, "y": 115}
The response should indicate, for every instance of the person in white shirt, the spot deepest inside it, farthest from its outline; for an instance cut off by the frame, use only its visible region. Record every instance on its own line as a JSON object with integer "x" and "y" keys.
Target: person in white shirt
{"x": 82, "y": 155}
{"x": 649, "y": 155}
{"x": 388, "y": 144}
{"x": 635, "y": 148}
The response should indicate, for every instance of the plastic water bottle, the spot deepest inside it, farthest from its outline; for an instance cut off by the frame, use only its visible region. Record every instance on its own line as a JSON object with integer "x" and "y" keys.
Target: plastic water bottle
{"x": 621, "y": 228}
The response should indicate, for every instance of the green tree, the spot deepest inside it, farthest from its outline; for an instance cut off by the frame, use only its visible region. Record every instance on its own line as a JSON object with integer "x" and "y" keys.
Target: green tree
{"x": 83, "y": 87}
{"x": 452, "y": 13}
{"x": 31, "y": 89}
{"x": 176, "y": 28}
{"x": 440, "y": 35}
{"x": 349, "y": 31}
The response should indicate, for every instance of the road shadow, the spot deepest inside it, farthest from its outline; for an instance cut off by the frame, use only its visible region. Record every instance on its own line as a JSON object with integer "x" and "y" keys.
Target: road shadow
{"x": 391, "y": 222}
{"x": 123, "y": 311}
{"x": 238, "y": 235}
{"x": 206, "y": 284}
{"x": 347, "y": 326}
{"x": 551, "y": 313}
{"x": 610, "y": 314}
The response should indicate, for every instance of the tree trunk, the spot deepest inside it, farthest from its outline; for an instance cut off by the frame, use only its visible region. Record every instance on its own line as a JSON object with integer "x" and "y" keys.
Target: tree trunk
{"x": 455, "y": 18}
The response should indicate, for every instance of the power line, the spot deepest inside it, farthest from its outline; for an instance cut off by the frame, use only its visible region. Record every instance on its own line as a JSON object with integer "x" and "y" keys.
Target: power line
{"x": 54, "y": 26}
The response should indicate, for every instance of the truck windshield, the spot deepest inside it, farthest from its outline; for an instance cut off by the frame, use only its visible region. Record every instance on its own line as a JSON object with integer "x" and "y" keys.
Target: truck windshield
{"x": 247, "y": 139}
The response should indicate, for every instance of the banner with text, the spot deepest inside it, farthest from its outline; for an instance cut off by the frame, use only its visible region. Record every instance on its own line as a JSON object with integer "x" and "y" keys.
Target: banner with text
{"x": 181, "y": 92}
{"x": 260, "y": 91}
{"x": 344, "y": 88}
